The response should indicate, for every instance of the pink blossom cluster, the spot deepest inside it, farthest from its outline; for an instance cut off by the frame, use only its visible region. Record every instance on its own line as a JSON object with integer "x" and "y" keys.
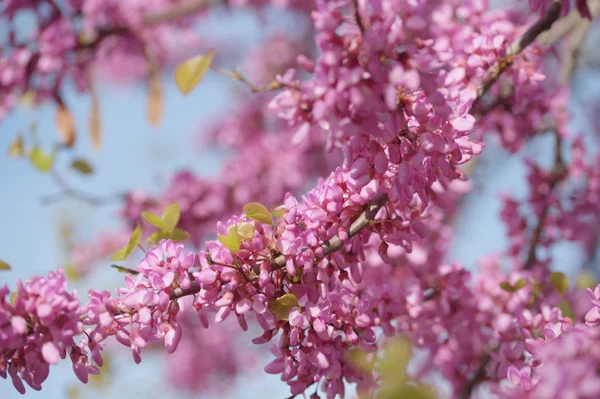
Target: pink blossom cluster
{"x": 38, "y": 325}
{"x": 395, "y": 86}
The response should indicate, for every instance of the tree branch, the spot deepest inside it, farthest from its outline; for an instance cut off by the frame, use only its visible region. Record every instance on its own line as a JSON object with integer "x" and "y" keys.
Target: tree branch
{"x": 541, "y": 25}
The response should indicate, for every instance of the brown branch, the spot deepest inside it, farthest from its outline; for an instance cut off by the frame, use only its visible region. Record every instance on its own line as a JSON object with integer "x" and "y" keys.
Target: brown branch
{"x": 334, "y": 243}
{"x": 359, "y": 21}
{"x": 541, "y": 25}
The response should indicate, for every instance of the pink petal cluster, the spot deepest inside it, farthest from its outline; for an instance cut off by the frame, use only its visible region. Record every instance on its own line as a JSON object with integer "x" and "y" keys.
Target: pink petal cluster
{"x": 38, "y": 325}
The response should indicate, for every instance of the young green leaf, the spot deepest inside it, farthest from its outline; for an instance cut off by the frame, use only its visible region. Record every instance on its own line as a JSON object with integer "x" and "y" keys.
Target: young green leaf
{"x": 41, "y": 160}
{"x": 506, "y": 286}
{"x": 189, "y": 73}
{"x": 170, "y": 216}
{"x": 231, "y": 240}
{"x": 179, "y": 235}
{"x": 16, "y": 149}
{"x": 560, "y": 282}
{"x": 281, "y": 307}
{"x": 4, "y": 265}
{"x": 123, "y": 253}
{"x": 258, "y": 212}
{"x": 278, "y": 211}
{"x": 154, "y": 220}
{"x": 245, "y": 230}
{"x": 82, "y": 166}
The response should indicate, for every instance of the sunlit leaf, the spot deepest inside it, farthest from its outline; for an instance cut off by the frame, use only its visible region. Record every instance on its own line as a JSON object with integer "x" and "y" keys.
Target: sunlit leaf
{"x": 72, "y": 273}
{"x": 189, "y": 73}
{"x": 94, "y": 123}
{"x": 154, "y": 220}
{"x": 586, "y": 279}
{"x": 65, "y": 126}
{"x": 278, "y": 211}
{"x": 82, "y": 166}
{"x": 258, "y": 212}
{"x": 41, "y": 160}
{"x": 506, "y": 286}
{"x": 28, "y": 98}
{"x": 245, "y": 230}
{"x": 16, "y": 149}
{"x": 560, "y": 282}
{"x": 154, "y": 98}
{"x": 170, "y": 216}
{"x": 566, "y": 309}
{"x": 281, "y": 307}
{"x": 4, "y": 265}
{"x": 123, "y": 253}
{"x": 231, "y": 240}
{"x": 179, "y": 235}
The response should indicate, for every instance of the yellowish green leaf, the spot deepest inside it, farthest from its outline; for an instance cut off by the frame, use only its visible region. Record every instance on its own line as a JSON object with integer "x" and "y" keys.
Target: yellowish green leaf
{"x": 65, "y": 126}
{"x": 179, "y": 235}
{"x": 560, "y": 282}
{"x": 4, "y": 265}
{"x": 82, "y": 166}
{"x": 13, "y": 298}
{"x": 41, "y": 160}
{"x": 245, "y": 230}
{"x": 123, "y": 253}
{"x": 189, "y": 73}
{"x": 585, "y": 279}
{"x": 258, "y": 212}
{"x": 278, "y": 211}
{"x": 28, "y": 98}
{"x": 281, "y": 307}
{"x": 231, "y": 240}
{"x": 72, "y": 273}
{"x": 154, "y": 220}
{"x": 566, "y": 309}
{"x": 506, "y": 286}
{"x": 170, "y": 216}
{"x": 16, "y": 149}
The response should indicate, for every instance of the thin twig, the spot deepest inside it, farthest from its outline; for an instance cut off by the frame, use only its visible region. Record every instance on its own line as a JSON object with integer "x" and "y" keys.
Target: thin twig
{"x": 359, "y": 21}
{"x": 70, "y": 192}
{"x": 541, "y": 25}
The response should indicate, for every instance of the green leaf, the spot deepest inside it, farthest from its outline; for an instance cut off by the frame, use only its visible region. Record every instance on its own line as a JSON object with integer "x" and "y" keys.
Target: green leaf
{"x": 17, "y": 148}
{"x": 506, "y": 286}
{"x": 281, "y": 307}
{"x": 258, "y": 212}
{"x": 154, "y": 220}
{"x": 170, "y": 216}
{"x": 231, "y": 240}
{"x": 245, "y": 230}
{"x": 560, "y": 282}
{"x": 179, "y": 235}
{"x": 41, "y": 160}
{"x": 4, "y": 265}
{"x": 189, "y": 73}
{"x": 82, "y": 166}
{"x": 278, "y": 211}
{"x": 565, "y": 308}
{"x": 123, "y": 253}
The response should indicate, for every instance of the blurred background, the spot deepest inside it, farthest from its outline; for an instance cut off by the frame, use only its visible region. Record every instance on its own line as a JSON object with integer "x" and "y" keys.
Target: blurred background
{"x": 36, "y": 237}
